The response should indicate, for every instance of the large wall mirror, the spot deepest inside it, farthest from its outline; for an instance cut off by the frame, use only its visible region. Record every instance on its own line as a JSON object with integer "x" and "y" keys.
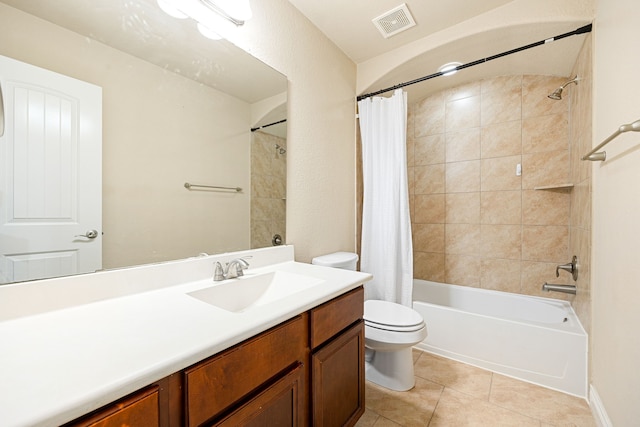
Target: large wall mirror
{"x": 176, "y": 108}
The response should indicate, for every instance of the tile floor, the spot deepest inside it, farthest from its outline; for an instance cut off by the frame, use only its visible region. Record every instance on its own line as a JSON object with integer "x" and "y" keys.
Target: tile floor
{"x": 453, "y": 394}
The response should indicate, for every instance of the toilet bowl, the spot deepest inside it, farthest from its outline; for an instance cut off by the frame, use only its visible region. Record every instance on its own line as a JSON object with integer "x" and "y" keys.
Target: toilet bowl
{"x": 390, "y": 331}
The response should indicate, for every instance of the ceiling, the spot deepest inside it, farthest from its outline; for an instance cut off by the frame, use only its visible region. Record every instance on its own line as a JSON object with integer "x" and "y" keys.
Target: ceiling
{"x": 141, "y": 29}
{"x": 348, "y": 24}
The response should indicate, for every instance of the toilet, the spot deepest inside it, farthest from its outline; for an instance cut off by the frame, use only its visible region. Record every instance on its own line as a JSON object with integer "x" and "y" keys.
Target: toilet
{"x": 390, "y": 331}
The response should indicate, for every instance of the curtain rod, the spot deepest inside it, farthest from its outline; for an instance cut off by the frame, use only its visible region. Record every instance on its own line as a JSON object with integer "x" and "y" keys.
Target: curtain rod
{"x": 581, "y": 30}
{"x": 270, "y": 124}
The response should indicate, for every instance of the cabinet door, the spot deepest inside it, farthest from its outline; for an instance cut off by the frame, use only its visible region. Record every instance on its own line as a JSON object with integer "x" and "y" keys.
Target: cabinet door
{"x": 140, "y": 409}
{"x": 337, "y": 391}
{"x": 279, "y": 405}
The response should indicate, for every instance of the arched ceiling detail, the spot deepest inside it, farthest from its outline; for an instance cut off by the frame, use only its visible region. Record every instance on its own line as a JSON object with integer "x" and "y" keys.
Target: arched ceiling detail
{"x": 556, "y": 58}
{"x": 515, "y": 24}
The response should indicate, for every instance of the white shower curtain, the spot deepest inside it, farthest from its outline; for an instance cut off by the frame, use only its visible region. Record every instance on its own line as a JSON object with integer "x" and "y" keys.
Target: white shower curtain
{"x": 386, "y": 250}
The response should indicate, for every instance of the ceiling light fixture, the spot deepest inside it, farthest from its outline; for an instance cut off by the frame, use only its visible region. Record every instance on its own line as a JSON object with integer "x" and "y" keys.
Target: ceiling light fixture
{"x": 236, "y": 11}
{"x": 450, "y": 68}
{"x": 213, "y": 16}
{"x": 170, "y": 9}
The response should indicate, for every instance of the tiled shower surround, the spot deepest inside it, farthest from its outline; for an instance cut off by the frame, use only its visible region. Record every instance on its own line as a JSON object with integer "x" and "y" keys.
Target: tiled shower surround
{"x": 475, "y": 221}
{"x": 581, "y": 141}
{"x": 268, "y": 189}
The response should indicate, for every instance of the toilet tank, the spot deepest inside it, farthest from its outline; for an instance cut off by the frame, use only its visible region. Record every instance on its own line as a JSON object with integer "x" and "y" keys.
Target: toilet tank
{"x": 344, "y": 260}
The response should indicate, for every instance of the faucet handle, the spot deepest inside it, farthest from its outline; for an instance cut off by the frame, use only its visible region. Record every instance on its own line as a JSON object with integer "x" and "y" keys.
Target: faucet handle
{"x": 571, "y": 267}
{"x": 239, "y": 264}
{"x": 239, "y": 271}
{"x": 218, "y": 273}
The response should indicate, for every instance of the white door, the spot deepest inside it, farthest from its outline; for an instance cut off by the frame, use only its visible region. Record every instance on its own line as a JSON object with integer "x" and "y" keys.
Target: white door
{"x": 50, "y": 174}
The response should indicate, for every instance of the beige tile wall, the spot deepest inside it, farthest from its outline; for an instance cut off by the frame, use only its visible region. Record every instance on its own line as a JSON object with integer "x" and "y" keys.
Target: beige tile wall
{"x": 475, "y": 222}
{"x": 580, "y": 136}
{"x": 268, "y": 189}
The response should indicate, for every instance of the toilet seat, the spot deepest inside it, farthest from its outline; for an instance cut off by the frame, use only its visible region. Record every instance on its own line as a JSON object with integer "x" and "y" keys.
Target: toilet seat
{"x": 390, "y": 316}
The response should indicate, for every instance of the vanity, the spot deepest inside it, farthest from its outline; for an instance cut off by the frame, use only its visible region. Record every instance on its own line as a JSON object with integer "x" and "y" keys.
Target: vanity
{"x": 152, "y": 345}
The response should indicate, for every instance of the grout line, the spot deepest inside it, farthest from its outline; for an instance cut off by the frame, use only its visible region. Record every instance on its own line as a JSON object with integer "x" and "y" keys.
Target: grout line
{"x": 433, "y": 413}
{"x": 490, "y": 388}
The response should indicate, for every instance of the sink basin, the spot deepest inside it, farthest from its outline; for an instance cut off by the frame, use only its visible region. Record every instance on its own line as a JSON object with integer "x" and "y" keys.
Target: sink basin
{"x": 237, "y": 295}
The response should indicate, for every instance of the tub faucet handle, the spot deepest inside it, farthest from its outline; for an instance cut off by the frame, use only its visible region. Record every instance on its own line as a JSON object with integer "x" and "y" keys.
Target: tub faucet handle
{"x": 571, "y": 267}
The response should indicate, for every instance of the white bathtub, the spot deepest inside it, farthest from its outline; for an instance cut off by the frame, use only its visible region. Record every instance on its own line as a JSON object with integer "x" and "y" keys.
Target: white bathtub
{"x": 538, "y": 340}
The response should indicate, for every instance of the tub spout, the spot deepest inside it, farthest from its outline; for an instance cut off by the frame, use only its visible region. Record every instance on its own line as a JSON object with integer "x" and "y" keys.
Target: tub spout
{"x": 567, "y": 289}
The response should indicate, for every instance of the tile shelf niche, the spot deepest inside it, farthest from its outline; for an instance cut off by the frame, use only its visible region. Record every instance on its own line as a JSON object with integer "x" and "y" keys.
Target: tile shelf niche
{"x": 567, "y": 186}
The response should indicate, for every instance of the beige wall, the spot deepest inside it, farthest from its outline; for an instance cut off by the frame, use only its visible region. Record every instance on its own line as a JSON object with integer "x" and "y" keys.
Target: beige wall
{"x": 475, "y": 222}
{"x": 268, "y": 188}
{"x": 616, "y": 213}
{"x": 159, "y": 131}
{"x": 320, "y": 125}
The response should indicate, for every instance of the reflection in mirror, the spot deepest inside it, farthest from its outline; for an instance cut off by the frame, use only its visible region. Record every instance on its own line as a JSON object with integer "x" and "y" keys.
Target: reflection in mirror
{"x": 176, "y": 108}
{"x": 268, "y": 187}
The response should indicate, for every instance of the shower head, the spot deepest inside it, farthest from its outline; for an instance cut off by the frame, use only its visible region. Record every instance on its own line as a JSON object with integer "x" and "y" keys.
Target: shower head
{"x": 557, "y": 94}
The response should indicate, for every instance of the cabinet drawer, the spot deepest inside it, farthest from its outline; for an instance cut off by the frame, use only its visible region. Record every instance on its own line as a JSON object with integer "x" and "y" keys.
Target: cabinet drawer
{"x": 332, "y": 317}
{"x": 278, "y": 405}
{"x": 214, "y": 385}
{"x": 139, "y": 409}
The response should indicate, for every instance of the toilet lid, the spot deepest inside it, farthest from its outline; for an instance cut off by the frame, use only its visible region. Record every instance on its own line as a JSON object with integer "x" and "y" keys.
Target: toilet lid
{"x": 391, "y": 316}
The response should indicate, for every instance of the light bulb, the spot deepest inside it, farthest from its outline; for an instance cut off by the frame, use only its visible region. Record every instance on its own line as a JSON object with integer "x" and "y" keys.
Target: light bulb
{"x": 170, "y": 9}
{"x": 450, "y": 68}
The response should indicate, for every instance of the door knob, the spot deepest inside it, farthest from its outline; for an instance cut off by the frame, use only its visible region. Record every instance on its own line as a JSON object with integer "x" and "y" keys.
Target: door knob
{"x": 91, "y": 234}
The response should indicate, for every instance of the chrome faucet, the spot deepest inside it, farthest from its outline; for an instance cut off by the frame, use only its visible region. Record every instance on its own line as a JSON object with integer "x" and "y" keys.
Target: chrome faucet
{"x": 232, "y": 269}
{"x": 571, "y": 267}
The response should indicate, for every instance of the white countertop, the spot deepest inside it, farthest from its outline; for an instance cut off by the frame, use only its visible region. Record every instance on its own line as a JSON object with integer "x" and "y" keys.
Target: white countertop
{"x": 58, "y": 365}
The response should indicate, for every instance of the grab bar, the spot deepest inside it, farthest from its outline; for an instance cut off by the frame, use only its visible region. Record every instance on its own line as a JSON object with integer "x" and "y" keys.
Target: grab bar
{"x": 602, "y": 156}
{"x": 1, "y": 113}
{"x": 189, "y": 186}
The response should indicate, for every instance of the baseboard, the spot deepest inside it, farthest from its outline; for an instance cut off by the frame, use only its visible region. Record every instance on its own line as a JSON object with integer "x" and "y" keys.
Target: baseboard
{"x": 597, "y": 409}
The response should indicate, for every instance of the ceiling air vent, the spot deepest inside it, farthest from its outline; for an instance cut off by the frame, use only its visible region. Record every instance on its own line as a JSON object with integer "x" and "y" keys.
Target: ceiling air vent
{"x": 394, "y": 21}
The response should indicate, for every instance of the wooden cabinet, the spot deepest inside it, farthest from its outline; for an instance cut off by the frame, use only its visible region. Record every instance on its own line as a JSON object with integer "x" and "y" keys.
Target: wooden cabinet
{"x": 279, "y": 405}
{"x": 330, "y": 318}
{"x": 158, "y": 405}
{"x": 221, "y": 382}
{"x": 308, "y": 370}
{"x": 338, "y": 380}
{"x": 337, "y": 361}
{"x": 138, "y": 409}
